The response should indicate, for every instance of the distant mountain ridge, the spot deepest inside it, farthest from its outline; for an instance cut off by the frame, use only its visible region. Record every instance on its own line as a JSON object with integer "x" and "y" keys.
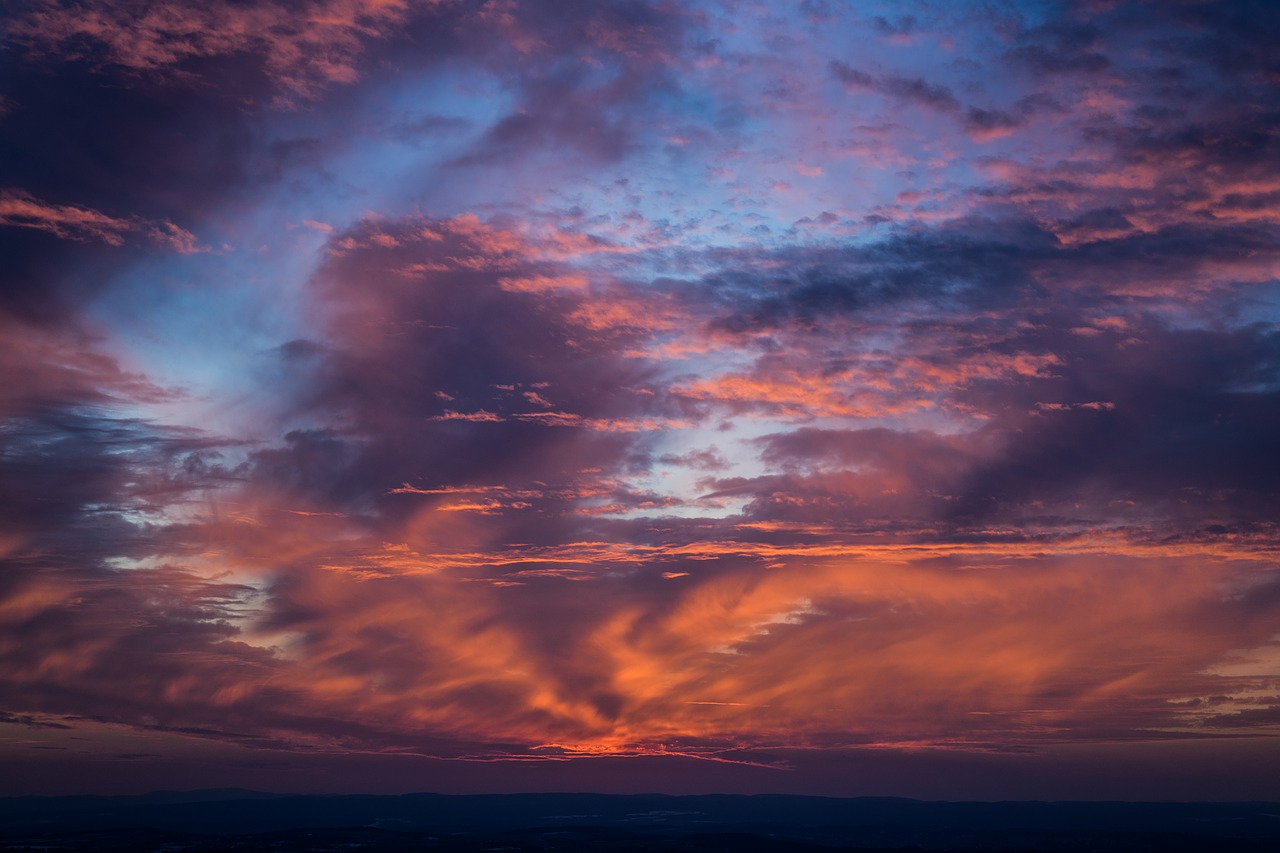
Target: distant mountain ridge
{"x": 862, "y": 823}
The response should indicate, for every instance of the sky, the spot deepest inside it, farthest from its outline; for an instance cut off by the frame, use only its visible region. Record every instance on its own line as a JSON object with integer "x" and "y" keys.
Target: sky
{"x": 815, "y": 397}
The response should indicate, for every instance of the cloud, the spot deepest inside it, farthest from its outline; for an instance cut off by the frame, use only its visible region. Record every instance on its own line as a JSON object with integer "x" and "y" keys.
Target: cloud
{"x": 85, "y": 490}
{"x": 19, "y": 209}
{"x": 301, "y": 49}
{"x": 914, "y": 90}
{"x": 563, "y": 419}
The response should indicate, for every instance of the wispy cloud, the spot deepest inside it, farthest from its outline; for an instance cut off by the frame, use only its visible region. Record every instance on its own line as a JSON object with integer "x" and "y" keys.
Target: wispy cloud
{"x": 19, "y": 209}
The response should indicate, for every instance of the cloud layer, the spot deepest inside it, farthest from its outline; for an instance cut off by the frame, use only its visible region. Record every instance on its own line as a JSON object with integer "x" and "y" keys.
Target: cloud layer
{"x": 473, "y": 380}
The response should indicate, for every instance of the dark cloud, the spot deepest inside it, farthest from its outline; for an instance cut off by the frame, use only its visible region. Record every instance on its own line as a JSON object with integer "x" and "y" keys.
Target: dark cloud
{"x": 98, "y": 174}
{"x": 31, "y": 721}
{"x": 154, "y": 152}
{"x": 901, "y": 25}
{"x": 566, "y": 99}
{"x": 984, "y": 124}
{"x": 1166, "y": 430}
{"x": 452, "y": 361}
{"x": 975, "y": 261}
{"x": 910, "y": 89}
{"x": 1186, "y": 434}
{"x": 1060, "y": 53}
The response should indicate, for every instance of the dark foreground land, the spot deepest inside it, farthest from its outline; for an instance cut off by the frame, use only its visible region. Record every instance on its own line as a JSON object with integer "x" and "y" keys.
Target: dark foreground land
{"x": 206, "y": 821}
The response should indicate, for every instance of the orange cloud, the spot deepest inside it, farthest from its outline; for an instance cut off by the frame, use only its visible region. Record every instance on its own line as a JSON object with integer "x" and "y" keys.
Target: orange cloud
{"x": 19, "y": 209}
{"x": 303, "y": 48}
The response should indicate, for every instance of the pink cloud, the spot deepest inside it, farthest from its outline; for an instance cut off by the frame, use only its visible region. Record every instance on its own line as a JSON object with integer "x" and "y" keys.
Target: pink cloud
{"x": 19, "y": 209}
{"x": 303, "y": 48}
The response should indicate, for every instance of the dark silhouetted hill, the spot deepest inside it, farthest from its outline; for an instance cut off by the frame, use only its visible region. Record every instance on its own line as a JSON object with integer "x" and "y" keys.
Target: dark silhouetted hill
{"x": 247, "y": 821}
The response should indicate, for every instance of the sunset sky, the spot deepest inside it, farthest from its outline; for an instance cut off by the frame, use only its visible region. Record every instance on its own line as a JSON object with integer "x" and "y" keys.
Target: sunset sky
{"x": 823, "y": 397}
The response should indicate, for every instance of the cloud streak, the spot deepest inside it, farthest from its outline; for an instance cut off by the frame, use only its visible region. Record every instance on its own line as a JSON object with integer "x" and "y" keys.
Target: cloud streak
{"x": 19, "y": 209}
